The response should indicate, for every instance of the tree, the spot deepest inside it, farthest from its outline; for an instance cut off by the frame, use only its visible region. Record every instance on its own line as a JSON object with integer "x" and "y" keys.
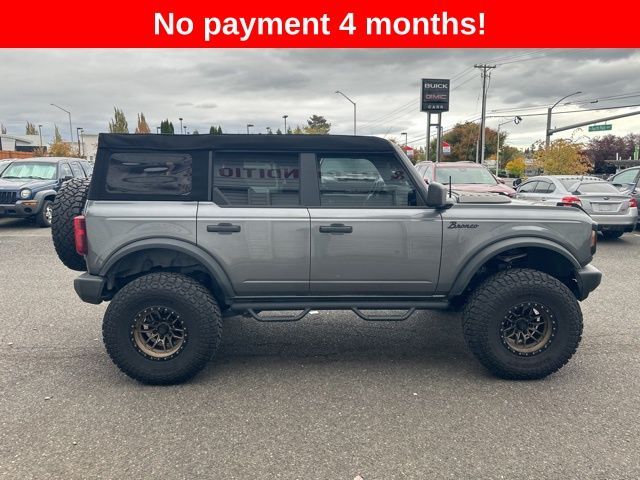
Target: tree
{"x": 463, "y": 138}
{"x": 143, "y": 126}
{"x": 278, "y": 132}
{"x": 317, "y": 125}
{"x": 516, "y": 167}
{"x": 562, "y": 157}
{"x": 601, "y": 149}
{"x": 298, "y": 130}
{"x": 195, "y": 132}
{"x": 289, "y": 131}
{"x": 3, "y": 129}
{"x": 166, "y": 127}
{"x": 30, "y": 129}
{"x": 215, "y": 130}
{"x": 59, "y": 148}
{"x": 119, "y": 123}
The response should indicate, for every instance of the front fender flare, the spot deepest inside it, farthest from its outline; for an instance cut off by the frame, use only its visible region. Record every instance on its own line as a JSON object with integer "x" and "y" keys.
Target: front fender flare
{"x": 488, "y": 252}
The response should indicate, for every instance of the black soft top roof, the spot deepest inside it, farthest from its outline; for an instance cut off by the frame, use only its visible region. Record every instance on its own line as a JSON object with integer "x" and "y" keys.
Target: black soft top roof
{"x": 244, "y": 142}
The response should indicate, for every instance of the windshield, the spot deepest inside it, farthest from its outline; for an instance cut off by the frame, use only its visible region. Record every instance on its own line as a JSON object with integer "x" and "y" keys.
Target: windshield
{"x": 460, "y": 175}
{"x": 34, "y": 171}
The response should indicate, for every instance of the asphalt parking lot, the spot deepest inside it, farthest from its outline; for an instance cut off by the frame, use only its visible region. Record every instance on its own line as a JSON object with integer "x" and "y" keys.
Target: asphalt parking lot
{"x": 330, "y": 397}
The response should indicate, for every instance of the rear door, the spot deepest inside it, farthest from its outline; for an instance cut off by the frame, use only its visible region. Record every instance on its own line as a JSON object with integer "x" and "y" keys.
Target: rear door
{"x": 256, "y": 226}
{"x": 526, "y": 190}
{"x": 368, "y": 234}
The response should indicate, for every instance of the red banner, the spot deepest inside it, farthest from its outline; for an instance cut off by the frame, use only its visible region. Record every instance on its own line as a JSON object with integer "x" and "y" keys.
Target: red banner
{"x": 409, "y": 24}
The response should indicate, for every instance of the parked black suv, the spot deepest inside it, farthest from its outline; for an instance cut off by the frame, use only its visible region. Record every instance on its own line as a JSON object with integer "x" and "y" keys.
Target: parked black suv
{"x": 29, "y": 186}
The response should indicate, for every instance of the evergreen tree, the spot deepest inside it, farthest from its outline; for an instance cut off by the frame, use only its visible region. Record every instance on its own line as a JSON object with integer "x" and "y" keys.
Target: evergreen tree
{"x": 298, "y": 130}
{"x": 317, "y": 125}
{"x": 3, "y": 129}
{"x": 213, "y": 130}
{"x": 278, "y": 132}
{"x": 195, "y": 132}
{"x": 166, "y": 127}
{"x": 119, "y": 123}
{"x": 143, "y": 126}
{"x": 31, "y": 129}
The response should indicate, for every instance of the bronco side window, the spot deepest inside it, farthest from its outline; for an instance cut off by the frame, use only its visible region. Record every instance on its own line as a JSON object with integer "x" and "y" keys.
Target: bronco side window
{"x": 364, "y": 181}
{"x": 256, "y": 179}
{"x": 150, "y": 174}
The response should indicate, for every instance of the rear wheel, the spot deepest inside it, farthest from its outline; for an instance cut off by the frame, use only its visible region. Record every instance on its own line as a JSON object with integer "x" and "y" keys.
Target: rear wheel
{"x": 612, "y": 234}
{"x": 68, "y": 204}
{"x": 162, "y": 328}
{"x": 522, "y": 324}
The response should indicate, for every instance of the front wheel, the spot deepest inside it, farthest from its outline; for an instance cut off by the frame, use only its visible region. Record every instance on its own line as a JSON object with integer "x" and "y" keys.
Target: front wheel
{"x": 162, "y": 328}
{"x": 522, "y": 324}
{"x": 43, "y": 219}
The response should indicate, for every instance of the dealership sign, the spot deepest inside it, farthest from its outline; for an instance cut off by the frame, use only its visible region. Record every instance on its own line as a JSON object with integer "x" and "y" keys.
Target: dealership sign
{"x": 434, "y": 95}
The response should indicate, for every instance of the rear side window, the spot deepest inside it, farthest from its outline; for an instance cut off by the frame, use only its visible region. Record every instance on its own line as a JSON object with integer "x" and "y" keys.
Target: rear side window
{"x": 545, "y": 187}
{"x": 255, "y": 179}
{"x": 364, "y": 181}
{"x": 166, "y": 174}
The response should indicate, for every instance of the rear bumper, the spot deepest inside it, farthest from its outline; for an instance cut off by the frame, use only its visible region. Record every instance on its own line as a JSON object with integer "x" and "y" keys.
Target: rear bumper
{"x": 617, "y": 222}
{"x": 89, "y": 288}
{"x": 588, "y": 278}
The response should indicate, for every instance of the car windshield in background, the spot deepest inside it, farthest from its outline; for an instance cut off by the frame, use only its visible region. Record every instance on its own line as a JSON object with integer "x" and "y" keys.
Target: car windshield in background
{"x": 34, "y": 171}
{"x": 597, "y": 187}
{"x": 460, "y": 175}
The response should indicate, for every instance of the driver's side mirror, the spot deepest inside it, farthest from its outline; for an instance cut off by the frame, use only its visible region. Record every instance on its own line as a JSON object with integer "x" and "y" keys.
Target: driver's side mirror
{"x": 437, "y": 195}
{"x": 68, "y": 177}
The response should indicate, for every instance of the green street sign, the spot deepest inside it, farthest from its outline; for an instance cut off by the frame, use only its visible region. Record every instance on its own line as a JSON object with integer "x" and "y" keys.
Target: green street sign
{"x": 600, "y": 128}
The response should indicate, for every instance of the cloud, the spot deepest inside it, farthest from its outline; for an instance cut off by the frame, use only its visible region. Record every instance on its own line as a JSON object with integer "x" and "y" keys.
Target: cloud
{"x": 234, "y": 87}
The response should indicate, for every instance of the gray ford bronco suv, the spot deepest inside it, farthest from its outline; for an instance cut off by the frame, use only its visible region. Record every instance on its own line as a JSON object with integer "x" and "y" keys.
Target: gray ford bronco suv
{"x": 177, "y": 231}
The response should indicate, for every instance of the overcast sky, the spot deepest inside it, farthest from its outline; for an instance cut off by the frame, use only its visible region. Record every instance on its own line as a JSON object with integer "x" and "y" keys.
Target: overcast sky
{"x": 236, "y": 87}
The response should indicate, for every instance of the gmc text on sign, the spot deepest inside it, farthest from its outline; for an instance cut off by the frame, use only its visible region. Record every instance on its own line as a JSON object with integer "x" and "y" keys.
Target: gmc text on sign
{"x": 434, "y": 95}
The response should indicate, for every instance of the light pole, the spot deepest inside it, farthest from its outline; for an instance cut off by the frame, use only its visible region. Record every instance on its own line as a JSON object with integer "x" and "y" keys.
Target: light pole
{"x": 405, "y": 139}
{"x": 78, "y": 131}
{"x": 40, "y": 130}
{"x": 549, "y": 110}
{"x": 180, "y": 118}
{"x": 285, "y": 122}
{"x": 249, "y": 125}
{"x": 354, "y": 109}
{"x": 68, "y": 113}
{"x": 515, "y": 120}
{"x": 185, "y": 130}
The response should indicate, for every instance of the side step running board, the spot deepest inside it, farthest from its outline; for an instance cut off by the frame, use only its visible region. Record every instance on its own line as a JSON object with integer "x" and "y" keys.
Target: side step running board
{"x": 259, "y": 310}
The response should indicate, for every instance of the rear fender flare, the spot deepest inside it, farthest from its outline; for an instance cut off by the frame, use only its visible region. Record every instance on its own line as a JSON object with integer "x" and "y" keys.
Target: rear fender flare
{"x": 213, "y": 267}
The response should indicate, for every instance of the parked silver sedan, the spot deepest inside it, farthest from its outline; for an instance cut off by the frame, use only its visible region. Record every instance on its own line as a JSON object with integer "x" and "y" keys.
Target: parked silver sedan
{"x": 614, "y": 211}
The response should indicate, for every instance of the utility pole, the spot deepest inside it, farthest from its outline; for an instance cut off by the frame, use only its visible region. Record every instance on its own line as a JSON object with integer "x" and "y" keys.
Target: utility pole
{"x": 486, "y": 73}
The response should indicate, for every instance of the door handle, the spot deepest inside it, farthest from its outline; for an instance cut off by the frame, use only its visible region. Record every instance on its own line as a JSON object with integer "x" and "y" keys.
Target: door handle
{"x": 223, "y": 228}
{"x": 336, "y": 228}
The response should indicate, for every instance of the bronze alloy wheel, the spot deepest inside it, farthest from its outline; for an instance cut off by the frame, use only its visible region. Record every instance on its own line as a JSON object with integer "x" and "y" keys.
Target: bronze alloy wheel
{"x": 158, "y": 333}
{"x": 528, "y": 328}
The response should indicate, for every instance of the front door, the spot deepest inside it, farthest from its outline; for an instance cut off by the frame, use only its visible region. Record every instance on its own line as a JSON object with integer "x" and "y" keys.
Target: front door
{"x": 369, "y": 236}
{"x": 256, "y": 226}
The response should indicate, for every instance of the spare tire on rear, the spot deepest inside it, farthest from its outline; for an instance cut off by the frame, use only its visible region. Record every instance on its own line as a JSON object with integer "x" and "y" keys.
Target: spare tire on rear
{"x": 69, "y": 203}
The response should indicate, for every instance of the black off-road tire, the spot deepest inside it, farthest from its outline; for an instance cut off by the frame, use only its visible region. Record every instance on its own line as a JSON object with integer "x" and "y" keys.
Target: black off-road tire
{"x": 43, "y": 218}
{"x": 612, "y": 234}
{"x": 193, "y": 304}
{"x": 69, "y": 203}
{"x": 494, "y": 301}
